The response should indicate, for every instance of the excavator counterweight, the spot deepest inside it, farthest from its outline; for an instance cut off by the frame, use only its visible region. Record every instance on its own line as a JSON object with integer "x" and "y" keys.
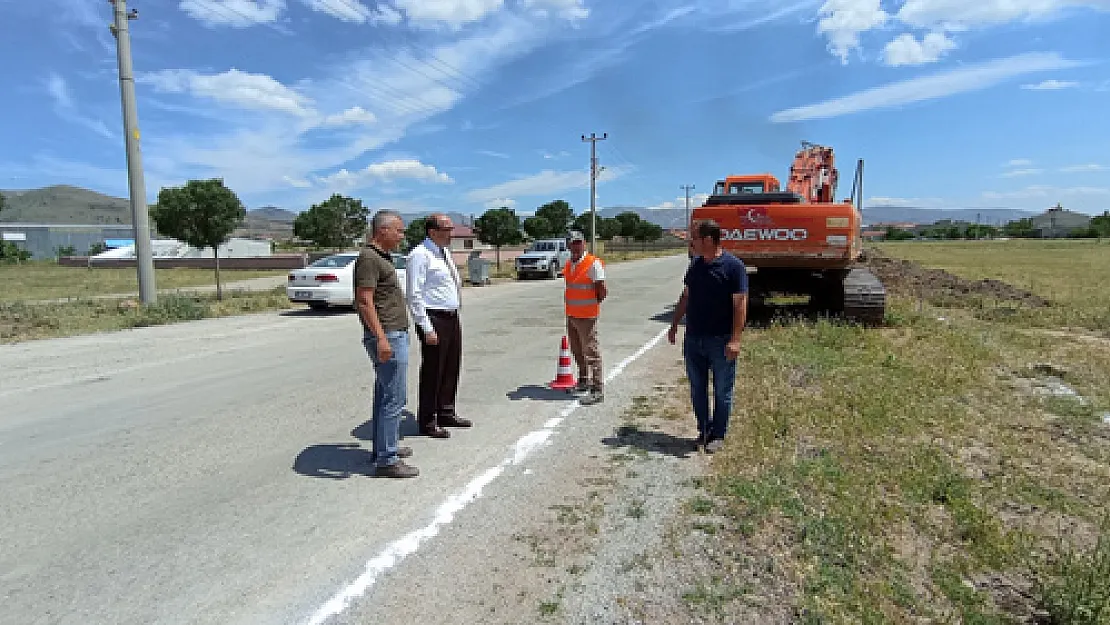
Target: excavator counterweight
{"x": 799, "y": 240}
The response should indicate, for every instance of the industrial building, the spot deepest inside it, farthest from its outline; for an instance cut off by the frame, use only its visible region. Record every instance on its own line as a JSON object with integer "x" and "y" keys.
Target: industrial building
{"x": 45, "y": 241}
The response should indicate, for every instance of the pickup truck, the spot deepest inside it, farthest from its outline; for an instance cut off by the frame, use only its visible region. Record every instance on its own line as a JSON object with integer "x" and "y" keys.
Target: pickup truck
{"x": 545, "y": 257}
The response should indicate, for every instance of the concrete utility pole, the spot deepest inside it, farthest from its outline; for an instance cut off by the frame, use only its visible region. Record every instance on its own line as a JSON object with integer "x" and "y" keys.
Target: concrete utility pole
{"x": 593, "y": 139}
{"x": 144, "y": 260}
{"x": 688, "y": 188}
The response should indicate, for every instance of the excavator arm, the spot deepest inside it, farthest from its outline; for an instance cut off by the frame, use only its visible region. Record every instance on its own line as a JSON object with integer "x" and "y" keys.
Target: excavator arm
{"x": 813, "y": 174}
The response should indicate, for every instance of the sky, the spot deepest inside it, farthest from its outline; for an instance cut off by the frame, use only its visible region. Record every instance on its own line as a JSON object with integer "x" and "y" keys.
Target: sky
{"x": 465, "y": 105}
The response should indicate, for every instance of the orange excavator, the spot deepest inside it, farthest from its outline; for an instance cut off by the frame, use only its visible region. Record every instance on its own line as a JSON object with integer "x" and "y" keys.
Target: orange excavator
{"x": 799, "y": 241}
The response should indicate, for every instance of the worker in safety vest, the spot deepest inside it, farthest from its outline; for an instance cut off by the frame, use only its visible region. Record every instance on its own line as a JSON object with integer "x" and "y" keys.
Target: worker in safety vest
{"x": 585, "y": 290}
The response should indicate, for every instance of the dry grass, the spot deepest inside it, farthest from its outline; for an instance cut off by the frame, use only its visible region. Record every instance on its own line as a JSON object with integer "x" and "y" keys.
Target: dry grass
{"x": 22, "y": 322}
{"x": 919, "y": 473}
{"x": 1069, "y": 273}
{"x": 32, "y": 282}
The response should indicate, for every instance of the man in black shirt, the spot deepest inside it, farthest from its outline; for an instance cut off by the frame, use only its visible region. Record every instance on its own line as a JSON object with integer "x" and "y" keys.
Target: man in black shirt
{"x": 715, "y": 304}
{"x": 380, "y": 299}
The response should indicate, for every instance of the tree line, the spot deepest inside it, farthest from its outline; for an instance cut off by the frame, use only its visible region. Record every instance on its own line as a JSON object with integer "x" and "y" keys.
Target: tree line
{"x": 1098, "y": 228}
{"x": 204, "y": 213}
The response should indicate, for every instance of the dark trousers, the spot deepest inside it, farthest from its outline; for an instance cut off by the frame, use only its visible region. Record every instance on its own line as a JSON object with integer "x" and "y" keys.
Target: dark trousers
{"x": 439, "y": 368}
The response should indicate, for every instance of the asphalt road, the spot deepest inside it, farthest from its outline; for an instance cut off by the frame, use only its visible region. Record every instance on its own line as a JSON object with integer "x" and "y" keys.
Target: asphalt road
{"x": 217, "y": 471}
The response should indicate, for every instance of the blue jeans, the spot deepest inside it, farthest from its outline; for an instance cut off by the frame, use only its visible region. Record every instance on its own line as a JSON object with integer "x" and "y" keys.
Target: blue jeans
{"x": 705, "y": 354}
{"x": 390, "y": 394}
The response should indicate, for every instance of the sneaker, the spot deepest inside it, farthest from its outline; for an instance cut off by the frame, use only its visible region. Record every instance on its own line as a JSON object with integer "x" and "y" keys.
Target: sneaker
{"x": 594, "y": 396}
{"x": 714, "y": 445}
{"x": 397, "y": 469}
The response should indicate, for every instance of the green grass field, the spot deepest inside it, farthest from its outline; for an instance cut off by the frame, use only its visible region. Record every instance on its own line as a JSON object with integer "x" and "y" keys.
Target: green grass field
{"x": 932, "y": 471}
{"x": 31, "y": 282}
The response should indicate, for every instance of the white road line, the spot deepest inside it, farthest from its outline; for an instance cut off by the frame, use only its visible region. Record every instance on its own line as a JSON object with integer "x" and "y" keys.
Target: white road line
{"x": 409, "y": 543}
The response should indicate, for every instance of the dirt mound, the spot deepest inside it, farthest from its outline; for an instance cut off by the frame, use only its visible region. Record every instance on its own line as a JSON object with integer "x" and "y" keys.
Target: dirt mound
{"x": 909, "y": 278}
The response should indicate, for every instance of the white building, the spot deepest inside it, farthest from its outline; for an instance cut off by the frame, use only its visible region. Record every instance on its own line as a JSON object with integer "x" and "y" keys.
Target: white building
{"x": 172, "y": 248}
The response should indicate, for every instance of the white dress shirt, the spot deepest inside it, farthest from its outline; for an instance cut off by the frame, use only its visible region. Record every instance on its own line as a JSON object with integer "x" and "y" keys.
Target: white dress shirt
{"x": 432, "y": 282}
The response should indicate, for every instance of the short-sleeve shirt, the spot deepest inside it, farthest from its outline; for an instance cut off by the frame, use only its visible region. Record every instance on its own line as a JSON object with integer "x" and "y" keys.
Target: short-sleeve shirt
{"x": 374, "y": 269}
{"x": 712, "y": 284}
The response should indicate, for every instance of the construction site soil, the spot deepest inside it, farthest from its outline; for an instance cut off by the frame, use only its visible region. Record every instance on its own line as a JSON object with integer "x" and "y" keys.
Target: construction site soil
{"x": 906, "y": 277}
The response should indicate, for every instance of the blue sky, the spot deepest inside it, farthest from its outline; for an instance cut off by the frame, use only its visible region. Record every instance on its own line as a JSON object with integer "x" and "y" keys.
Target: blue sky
{"x": 467, "y": 104}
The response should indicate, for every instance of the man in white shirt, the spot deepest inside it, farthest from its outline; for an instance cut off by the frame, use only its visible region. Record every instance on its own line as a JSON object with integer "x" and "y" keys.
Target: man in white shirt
{"x": 434, "y": 294}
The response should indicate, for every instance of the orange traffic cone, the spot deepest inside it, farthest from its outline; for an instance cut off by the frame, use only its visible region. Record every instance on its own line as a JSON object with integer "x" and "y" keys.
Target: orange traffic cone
{"x": 564, "y": 377}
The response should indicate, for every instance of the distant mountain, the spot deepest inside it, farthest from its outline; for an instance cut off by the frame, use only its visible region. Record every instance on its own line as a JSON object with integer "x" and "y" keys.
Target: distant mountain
{"x": 63, "y": 204}
{"x": 676, "y": 217}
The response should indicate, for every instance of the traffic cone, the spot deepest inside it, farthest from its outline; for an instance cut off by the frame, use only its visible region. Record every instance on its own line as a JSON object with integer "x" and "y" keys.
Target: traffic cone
{"x": 564, "y": 376}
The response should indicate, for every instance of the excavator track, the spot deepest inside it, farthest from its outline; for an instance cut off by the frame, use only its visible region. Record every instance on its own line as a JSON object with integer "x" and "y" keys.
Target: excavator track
{"x": 864, "y": 297}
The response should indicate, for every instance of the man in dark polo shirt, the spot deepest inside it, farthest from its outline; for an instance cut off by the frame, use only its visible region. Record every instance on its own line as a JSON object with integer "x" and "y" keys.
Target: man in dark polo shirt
{"x": 715, "y": 304}
{"x": 380, "y": 299}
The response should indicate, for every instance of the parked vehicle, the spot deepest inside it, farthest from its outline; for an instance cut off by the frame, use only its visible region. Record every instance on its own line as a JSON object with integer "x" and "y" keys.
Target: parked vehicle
{"x": 330, "y": 281}
{"x": 545, "y": 257}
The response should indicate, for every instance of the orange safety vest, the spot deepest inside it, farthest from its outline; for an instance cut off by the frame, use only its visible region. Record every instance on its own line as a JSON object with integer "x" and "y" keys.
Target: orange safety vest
{"x": 581, "y": 295}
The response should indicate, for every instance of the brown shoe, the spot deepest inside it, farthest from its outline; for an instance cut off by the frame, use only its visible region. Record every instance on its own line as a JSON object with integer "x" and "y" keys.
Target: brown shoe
{"x": 397, "y": 469}
{"x": 454, "y": 422}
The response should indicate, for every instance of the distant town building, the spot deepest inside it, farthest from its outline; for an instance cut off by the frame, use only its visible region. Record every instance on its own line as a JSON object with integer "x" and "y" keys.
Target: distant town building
{"x": 1059, "y": 222}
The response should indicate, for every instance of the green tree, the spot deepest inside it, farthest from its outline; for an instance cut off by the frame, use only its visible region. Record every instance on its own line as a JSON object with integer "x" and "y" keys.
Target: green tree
{"x": 1021, "y": 228}
{"x": 897, "y": 234}
{"x": 499, "y": 227}
{"x": 203, "y": 213}
{"x": 1100, "y": 225}
{"x": 414, "y": 232}
{"x": 337, "y": 222}
{"x": 628, "y": 221}
{"x": 3, "y": 202}
{"x": 607, "y": 227}
{"x": 538, "y": 228}
{"x": 647, "y": 231}
{"x": 559, "y": 216}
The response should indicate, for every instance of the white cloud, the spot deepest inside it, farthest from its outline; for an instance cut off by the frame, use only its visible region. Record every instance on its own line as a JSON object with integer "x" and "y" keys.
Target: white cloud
{"x": 546, "y": 182}
{"x": 1019, "y": 162}
{"x": 243, "y": 89}
{"x": 234, "y": 13}
{"x": 560, "y": 154}
{"x": 67, "y": 110}
{"x": 959, "y": 14}
{"x": 1051, "y": 85}
{"x": 1016, "y": 173}
{"x": 929, "y": 87}
{"x": 500, "y": 202}
{"x": 493, "y": 154}
{"x": 354, "y": 116}
{"x": 566, "y": 9}
{"x": 907, "y": 50}
{"x": 386, "y": 171}
{"x": 844, "y": 20}
{"x": 1088, "y": 167}
{"x": 451, "y": 13}
{"x": 696, "y": 200}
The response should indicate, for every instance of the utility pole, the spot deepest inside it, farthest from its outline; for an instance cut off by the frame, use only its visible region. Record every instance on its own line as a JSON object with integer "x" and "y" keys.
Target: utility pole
{"x": 144, "y": 260}
{"x": 688, "y": 188}
{"x": 593, "y": 139}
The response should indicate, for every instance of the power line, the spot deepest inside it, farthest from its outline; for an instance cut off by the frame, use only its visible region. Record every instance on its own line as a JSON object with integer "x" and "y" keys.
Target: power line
{"x": 144, "y": 259}
{"x": 593, "y": 139}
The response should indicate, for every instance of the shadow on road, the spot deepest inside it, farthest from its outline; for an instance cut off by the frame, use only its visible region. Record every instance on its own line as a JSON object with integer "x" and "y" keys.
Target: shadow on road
{"x": 538, "y": 393}
{"x": 313, "y": 312}
{"x": 658, "y": 442}
{"x": 409, "y": 427}
{"x": 336, "y": 462}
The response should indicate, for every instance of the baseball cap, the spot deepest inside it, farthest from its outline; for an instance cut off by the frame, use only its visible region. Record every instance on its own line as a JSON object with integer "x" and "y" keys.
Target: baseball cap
{"x": 577, "y": 236}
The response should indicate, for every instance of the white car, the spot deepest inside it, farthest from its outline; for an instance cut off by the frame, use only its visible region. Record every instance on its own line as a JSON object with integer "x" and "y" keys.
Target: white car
{"x": 330, "y": 281}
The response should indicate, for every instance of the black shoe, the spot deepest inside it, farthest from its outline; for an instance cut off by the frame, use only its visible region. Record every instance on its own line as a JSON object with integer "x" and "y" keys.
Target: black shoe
{"x": 404, "y": 452}
{"x": 397, "y": 469}
{"x": 454, "y": 422}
